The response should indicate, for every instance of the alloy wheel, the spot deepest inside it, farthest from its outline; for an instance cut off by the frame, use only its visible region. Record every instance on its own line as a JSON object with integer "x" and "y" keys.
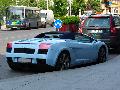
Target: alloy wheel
{"x": 102, "y": 55}
{"x": 63, "y": 62}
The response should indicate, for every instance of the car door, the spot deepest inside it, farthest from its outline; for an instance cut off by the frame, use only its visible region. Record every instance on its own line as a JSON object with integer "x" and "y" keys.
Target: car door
{"x": 85, "y": 49}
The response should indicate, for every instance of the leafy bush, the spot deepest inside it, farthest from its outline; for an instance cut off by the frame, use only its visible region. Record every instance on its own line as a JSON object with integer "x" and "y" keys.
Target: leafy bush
{"x": 69, "y": 19}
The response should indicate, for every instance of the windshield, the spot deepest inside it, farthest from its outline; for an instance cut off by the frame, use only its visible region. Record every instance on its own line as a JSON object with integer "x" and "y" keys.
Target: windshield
{"x": 15, "y": 13}
{"x": 98, "y": 22}
{"x": 43, "y": 15}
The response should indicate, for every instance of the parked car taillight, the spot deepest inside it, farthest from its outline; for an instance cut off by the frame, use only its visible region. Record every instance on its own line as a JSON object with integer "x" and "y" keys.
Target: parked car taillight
{"x": 44, "y": 45}
{"x": 80, "y": 30}
{"x": 82, "y": 25}
{"x": 112, "y": 27}
{"x": 113, "y": 30}
{"x": 9, "y": 45}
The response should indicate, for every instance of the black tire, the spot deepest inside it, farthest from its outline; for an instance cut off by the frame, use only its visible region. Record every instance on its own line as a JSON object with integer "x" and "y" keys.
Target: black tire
{"x": 28, "y": 28}
{"x": 45, "y": 25}
{"x": 37, "y": 26}
{"x": 63, "y": 62}
{"x": 52, "y": 25}
{"x": 101, "y": 55}
{"x": 13, "y": 66}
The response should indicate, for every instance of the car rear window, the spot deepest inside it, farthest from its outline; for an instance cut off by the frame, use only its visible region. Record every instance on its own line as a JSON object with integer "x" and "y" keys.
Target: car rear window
{"x": 97, "y": 22}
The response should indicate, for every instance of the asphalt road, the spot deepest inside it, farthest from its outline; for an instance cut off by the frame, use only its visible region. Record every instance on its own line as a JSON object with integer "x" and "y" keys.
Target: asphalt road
{"x": 7, "y": 36}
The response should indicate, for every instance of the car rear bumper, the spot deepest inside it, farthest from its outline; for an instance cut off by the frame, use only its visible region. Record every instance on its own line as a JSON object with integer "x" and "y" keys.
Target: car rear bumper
{"x": 39, "y": 62}
{"x": 112, "y": 42}
{"x": 34, "y": 58}
{"x": 16, "y": 26}
{"x": 42, "y": 66}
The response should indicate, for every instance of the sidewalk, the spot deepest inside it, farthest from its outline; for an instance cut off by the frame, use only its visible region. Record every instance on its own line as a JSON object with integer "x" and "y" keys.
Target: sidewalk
{"x": 104, "y": 76}
{"x": 3, "y": 27}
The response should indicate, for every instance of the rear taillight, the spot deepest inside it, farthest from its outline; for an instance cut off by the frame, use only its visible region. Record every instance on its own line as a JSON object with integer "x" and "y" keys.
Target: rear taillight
{"x": 9, "y": 45}
{"x": 112, "y": 26}
{"x": 82, "y": 25}
{"x": 80, "y": 30}
{"x": 44, "y": 45}
{"x": 113, "y": 30}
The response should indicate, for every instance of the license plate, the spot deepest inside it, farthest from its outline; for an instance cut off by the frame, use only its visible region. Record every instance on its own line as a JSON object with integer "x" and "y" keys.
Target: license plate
{"x": 97, "y": 36}
{"x": 24, "y": 60}
{"x": 96, "y": 31}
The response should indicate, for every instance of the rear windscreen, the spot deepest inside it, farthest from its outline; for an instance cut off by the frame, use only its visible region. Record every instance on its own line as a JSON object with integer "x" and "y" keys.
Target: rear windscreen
{"x": 97, "y": 22}
{"x": 57, "y": 35}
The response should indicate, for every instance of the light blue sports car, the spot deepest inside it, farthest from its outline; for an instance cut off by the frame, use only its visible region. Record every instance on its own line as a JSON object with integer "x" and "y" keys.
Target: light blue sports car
{"x": 61, "y": 50}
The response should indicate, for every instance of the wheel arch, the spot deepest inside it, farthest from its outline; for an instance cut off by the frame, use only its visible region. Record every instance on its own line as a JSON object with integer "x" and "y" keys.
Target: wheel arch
{"x": 106, "y": 50}
{"x": 103, "y": 46}
{"x": 54, "y": 52}
{"x": 64, "y": 50}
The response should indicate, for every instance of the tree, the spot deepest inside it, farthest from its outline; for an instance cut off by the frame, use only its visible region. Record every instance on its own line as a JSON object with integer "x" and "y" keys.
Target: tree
{"x": 42, "y": 4}
{"x": 60, "y": 7}
{"x": 93, "y": 5}
{"x": 4, "y": 4}
{"x": 76, "y": 5}
{"x": 22, "y": 2}
{"x": 31, "y": 3}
